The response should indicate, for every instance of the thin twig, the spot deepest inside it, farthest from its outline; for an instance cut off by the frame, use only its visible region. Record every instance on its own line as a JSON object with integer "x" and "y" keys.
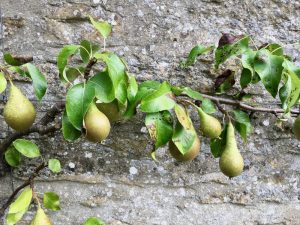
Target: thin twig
{"x": 89, "y": 67}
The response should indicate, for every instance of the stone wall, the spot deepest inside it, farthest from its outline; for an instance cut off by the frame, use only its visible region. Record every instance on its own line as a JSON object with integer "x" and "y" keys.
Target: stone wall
{"x": 118, "y": 181}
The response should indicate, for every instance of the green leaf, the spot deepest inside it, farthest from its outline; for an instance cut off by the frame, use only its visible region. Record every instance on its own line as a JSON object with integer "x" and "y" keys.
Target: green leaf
{"x": 87, "y": 50}
{"x": 225, "y": 81}
{"x": 12, "y": 156}
{"x": 18, "y": 208}
{"x": 208, "y": 106}
{"x": 246, "y": 77}
{"x": 275, "y": 49}
{"x": 104, "y": 27}
{"x": 242, "y": 123}
{"x": 217, "y": 145}
{"x": 224, "y": 51}
{"x": 132, "y": 88}
{"x": 116, "y": 70}
{"x": 65, "y": 53}
{"x": 248, "y": 72}
{"x": 159, "y": 100}
{"x": 69, "y": 131}
{"x": 51, "y": 201}
{"x": 78, "y": 100}
{"x": 70, "y": 74}
{"x": 289, "y": 93}
{"x": 269, "y": 68}
{"x": 17, "y": 69}
{"x": 183, "y": 138}
{"x": 103, "y": 85}
{"x": 93, "y": 221}
{"x": 54, "y": 165}
{"x": 9, "y": 59}
{"x": 192, "y": 94}
{"x": 3, "y": 82}
{"x": 27, "y": 148}
{"x": 160, "y": 127}
{"x": 38, "y": 79}
{"x": 195, "y": 52}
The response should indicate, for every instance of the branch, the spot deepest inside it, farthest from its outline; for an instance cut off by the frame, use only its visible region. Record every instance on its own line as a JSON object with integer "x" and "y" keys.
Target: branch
{"x": 29, "y": 181}
{"x": 89, "y": 67}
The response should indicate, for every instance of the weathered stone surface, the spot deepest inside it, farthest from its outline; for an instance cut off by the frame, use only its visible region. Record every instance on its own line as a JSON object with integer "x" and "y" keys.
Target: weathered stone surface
{"x": 118, "y": 181}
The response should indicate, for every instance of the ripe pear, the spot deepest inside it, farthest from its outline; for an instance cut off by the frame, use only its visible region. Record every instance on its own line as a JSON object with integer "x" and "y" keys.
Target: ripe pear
{"x": 190, "y": 155}
{"x": 111, "y": 110}
{"x": 296, "y": 128}
{"x": 231, "y": 161}
{"x": 209, "y": 125}
{"x": 41, "y": 218}
{"x": 97, "y": 125}
{"x": 19, "y": 113}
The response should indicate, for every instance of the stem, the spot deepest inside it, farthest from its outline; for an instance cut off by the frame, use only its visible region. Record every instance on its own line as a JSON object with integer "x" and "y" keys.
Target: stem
{"x": 89, "y": 67}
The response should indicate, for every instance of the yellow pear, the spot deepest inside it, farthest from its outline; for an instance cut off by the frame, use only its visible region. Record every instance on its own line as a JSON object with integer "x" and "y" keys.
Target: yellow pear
{"x": 209, "y": 125}
{"x": 190, "y": 155}
{"x": 19, "y": 113}
{"x": 231, "y": 161}
{"x": 296, "y": 128}
{"x": 41, "y": 218}
{"x": 97, "y": 125}
{"x": 111, "y": 110}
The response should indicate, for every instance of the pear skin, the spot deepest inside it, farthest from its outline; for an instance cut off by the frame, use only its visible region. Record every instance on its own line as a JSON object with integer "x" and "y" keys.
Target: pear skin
{"x": 41, "y": 218}
{"x": 296, "y": 128}
{"x": 19, "y": 113}
{"x": 209, "y": 125}
{"x": 190, "y": 155}
{"x": 111, "y": 110}
{"x": 231, "y": 161}
{"x": 97, "y": 125}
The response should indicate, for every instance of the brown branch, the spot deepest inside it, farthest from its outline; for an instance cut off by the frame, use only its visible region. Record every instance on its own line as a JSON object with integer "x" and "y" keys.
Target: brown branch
{"x": 29, "y": 181}
{"x": 89, "y": 67}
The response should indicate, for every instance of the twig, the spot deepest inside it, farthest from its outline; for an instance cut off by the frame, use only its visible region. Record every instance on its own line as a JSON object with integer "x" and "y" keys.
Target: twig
{"x": 89, "y": 67}
{"x": 29, "y": 181}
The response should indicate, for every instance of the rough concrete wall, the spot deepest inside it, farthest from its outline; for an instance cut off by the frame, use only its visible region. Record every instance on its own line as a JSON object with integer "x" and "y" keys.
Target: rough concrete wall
{"x": 118, "y": 181}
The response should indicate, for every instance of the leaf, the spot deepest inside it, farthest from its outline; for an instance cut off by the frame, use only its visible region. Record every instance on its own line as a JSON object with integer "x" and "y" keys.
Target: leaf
{"x": 18, "y": 208}
{"x": 104, "y": 27}
{"x": 230, "y": 46}
{"x": 269, "y": 68}
{"x": 54, "y": 165}
{"x": 192, "y": 94}
{"x": 160, "y": 127}
{"x": 70, "y": 133}
{"x": 208, "y": 106}
{"x": 27, "y": 148}
{"x": 275, "y": 49}
{"x": 38, "y": 79}
{"x": 116, "y": 70}
{"x": 93, "y": 221}
{"x": 51, "y": 201}
{"x": 87, "y": 50}
{"x": 246, "y": 77}
{"x": 159, "y": 100}
{"x": 70, "y": 74}
{"x": 12, "y": 156}
{"x": 248, "y": 72}
{"x": 183, "y": 117}
{"x": 19, "y": 70}
{"x": 225, "y": 81}
{"x": 195, "y": 52}
{"x": 132, "y": 88}
{"x": 289, "y": 93}
{"x": 217, "y": 145}
{"x": 64, "y": 54}
{"x": 183, "y": 138}
{"x": 13, "y": 61}
{"x": 242, "y": 123}
{"x": 78, "y": 100}
{"x": 3, "y": 83}
{"x": 104, "y": 90}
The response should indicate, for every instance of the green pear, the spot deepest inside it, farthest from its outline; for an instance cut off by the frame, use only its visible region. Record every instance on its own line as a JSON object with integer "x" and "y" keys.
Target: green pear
{"x": 41, "y": 218}
{"x": 296, "y": 128}
{"x": 19, "y": 113}
{"x": 209, "y": 125}
{"x": 97, "y": 125}
{"x": 231, "y": 161}
{"x": 190, "y": 155}
{"x": 111, "y": 110}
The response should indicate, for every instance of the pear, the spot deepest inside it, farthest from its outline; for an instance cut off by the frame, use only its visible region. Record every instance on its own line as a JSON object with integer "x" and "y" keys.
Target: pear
{"x": 209, "y": 125}
{"x": 97, "y": 125}
{"x": 41, "y": 218}
{"x": 111, "y": 110}
{"x": 190, "y": 155}
{"x": 231, "y": 161}
{"x": 296, "y": 128}
{"x": 19, "y": 113}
